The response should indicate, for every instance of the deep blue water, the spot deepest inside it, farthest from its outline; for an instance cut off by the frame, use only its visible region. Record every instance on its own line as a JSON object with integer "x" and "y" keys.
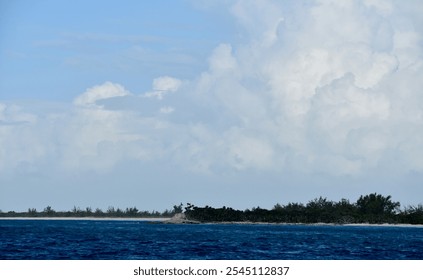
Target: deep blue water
{"x": 46, "y": 239}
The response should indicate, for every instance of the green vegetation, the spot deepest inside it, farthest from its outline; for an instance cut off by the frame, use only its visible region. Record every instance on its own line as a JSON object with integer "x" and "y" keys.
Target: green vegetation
{"x": 77, "y": 212}
{"x": 372, "y": 208}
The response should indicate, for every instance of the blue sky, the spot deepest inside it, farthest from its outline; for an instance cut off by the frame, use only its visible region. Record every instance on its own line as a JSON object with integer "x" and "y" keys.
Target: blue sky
{"x": 236, "y": 103}
{"x": 82, "y": 43}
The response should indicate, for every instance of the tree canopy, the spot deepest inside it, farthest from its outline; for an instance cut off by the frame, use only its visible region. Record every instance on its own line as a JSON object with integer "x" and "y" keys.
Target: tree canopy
{"x": 372, "y": 208}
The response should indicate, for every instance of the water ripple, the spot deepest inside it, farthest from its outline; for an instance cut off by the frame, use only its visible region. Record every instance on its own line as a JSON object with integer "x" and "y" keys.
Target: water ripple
{"x": 26, "y": 239}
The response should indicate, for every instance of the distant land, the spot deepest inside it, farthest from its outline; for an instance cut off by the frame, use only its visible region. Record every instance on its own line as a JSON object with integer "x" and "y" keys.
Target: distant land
{"x": 369, "y": 209}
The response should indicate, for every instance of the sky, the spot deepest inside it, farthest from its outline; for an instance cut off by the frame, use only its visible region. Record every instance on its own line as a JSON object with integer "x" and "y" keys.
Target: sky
{"x": 220, "y": 103}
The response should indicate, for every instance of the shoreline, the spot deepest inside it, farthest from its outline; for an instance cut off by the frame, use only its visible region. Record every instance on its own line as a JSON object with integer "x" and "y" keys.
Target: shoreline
{"x": 86, "y": 219}
{"x": 318, "y": 224}
{"x": 181, "y": 221}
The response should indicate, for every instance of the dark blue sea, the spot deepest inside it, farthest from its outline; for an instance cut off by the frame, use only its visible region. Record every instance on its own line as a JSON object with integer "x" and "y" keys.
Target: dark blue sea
{"x": 91, "y": 239}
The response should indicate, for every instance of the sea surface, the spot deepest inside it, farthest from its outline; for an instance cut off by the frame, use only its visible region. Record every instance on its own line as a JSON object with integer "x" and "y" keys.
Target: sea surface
{"x": 92, "y": 239}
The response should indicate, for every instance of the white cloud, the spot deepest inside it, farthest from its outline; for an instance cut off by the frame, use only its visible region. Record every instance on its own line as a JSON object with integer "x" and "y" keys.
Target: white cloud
{"x": 21, "y": 138}
{"x": 162, "y": 86}
{"x": 10, "y": 114}
{"x": 323, "y": 84}
{"x": 332, "y": 87}
{"x": 96, "y": 93}
{"x": 221, "y": 61}
{"x": 262, "y": 29}
{"x": 248, "y": 152}
{"x": 166, "y": 84}
{"x": 83, "y": 137}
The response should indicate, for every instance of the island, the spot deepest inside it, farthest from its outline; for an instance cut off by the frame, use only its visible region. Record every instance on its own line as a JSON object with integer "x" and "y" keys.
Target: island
{"x": 368, "y": 209}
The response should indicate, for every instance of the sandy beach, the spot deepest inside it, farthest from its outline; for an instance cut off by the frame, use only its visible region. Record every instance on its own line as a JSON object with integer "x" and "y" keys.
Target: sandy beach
{"x": 179, "y": 221}
{"x": 385, "y": 225}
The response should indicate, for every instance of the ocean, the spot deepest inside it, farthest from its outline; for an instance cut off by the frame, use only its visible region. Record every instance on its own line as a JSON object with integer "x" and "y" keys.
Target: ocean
{"x": 140, "y": 240}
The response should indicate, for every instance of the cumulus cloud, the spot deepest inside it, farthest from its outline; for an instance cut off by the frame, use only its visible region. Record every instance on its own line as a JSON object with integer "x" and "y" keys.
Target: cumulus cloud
{"x": 162, "y": 86}
{"x": 322, "y": 84}
{"x": 100, "y": 92}
{"x": 329, "y": 87}
{"x": 97, "y": 139}
{"x": 12, "y": 114}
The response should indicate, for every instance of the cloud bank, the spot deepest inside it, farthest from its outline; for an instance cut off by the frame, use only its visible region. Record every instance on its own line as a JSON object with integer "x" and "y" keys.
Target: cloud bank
{"x": 332, "y": 87}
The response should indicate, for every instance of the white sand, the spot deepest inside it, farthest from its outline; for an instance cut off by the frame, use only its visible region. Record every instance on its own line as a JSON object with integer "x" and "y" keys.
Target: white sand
{"x": 385, "y": 225}
{"x": 170, "y": 220}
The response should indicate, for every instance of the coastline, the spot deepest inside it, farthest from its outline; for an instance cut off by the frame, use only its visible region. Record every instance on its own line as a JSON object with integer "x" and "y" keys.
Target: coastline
{"x": 185, "y": 221}
{"x": 87, "y": 219}
{"x": 319, "y": 224}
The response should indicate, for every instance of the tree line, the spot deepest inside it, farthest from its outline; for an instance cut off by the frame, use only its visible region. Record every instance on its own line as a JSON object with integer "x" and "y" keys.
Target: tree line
{"x": 373, "y": 208}
{"x": 111, "y": 212}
